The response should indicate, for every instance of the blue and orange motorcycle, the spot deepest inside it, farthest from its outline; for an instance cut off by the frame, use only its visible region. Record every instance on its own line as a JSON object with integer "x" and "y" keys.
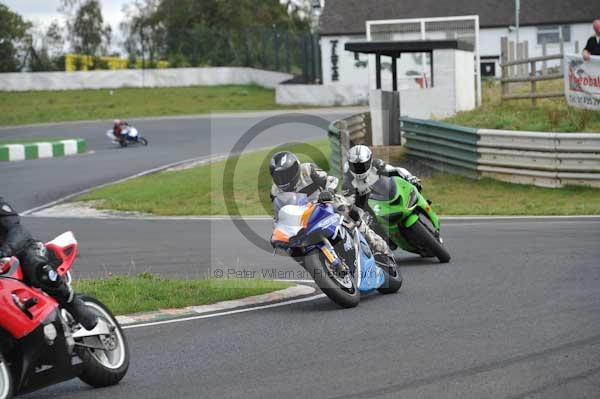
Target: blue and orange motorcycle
{"x": 330, "y": 247}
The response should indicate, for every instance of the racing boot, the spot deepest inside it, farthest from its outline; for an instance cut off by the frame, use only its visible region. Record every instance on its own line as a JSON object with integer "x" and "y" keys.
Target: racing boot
{"x": 82, "y": 313}
{"x": 54, "y": 285}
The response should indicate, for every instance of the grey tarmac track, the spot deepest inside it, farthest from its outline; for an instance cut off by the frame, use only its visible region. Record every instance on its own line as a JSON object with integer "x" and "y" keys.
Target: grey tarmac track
{"x": 29, "y": 184}
{"x": 514, "y": 315}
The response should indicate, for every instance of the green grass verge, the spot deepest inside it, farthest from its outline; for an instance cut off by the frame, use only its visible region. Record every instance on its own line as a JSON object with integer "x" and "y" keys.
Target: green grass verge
{"x": 457, "y": 195}
{"x": 30, "y": 140}
{"x": 550, "y": 115}
{"x": 148, "y": 292}
{"x": 199, "y": 191}
{"x": 18, "y": 108}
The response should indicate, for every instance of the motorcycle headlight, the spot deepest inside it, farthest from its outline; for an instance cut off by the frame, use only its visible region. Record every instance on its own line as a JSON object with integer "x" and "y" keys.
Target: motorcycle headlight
{"x": 50, "y": 333}
{"x": 413, "y": 198}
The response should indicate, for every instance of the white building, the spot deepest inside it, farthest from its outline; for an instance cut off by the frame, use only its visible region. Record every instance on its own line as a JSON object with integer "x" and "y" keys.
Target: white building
{"x": 342, "y": 21}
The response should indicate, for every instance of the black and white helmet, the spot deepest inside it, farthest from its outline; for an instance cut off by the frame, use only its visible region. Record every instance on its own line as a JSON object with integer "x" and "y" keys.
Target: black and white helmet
{"x": 360, "y": 159}
{"x": 285, "y": 170}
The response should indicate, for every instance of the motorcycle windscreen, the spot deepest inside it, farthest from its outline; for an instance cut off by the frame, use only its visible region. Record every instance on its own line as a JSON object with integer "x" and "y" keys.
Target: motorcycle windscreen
{"x": 283, "y": 199}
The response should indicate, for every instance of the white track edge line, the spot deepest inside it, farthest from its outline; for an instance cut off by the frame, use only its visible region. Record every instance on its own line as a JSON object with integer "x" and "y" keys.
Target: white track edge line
{"x": 208, "y": 316}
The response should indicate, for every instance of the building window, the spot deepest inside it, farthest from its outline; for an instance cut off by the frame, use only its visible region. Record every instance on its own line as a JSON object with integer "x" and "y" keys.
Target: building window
{"x": 551, "y": 34}
{"x": 488, "y": 68}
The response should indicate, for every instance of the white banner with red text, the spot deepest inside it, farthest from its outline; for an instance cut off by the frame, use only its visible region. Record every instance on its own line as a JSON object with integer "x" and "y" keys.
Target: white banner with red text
{"x": 582, "y": 82}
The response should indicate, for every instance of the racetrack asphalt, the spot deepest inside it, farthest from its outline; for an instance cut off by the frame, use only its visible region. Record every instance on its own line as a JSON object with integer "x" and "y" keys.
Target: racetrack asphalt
{"x": 29, "y": 184}
{"x": 514, "y": 315}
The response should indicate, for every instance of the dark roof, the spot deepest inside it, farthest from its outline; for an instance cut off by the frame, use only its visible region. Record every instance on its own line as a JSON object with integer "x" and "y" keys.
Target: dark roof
{"x": 395, "y": 48}
{"x": 349, "y": 16}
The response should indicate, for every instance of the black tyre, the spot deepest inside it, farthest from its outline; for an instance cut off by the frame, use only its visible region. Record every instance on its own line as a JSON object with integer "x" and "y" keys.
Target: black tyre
{"x": 341, "y": 291}
{"x": 103, "y": 368}
{"x": 428, "y": 241}
{"x": 143, "y": 141}
{"x": 123, "y": 143}
{"x": 6, "y": 381}
{"x": 393, "y": 278}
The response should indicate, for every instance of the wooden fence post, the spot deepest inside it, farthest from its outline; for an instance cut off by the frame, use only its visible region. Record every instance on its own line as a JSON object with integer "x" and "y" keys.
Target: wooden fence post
{"x": 544, "y": 53}
{"x": 533, "y": 84}
{"x": 511, "y": 57}
{"x": 562, "y": 53}
{"x": 504, "y": 60}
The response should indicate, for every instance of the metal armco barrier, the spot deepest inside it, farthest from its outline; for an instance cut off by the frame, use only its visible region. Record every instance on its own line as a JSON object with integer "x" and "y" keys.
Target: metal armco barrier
{"x": 542, "y": 159}
{"x": 345, "y": 133}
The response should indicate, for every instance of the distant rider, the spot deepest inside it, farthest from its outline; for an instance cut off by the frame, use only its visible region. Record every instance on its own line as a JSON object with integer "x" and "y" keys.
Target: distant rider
{"x": 15, "y": 240}
{"x": 361, "y": 171}
{"x": 118, "y": 127}
{"x": 289, "y": 175}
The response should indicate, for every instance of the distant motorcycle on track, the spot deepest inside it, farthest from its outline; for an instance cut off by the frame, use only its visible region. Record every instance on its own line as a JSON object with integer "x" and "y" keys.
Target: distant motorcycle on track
{"x": 129, "y": 136}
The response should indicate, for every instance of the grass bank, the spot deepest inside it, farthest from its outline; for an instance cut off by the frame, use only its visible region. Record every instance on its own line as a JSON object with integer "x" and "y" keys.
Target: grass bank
{"x": 148, "y": 292}
{"x": 550, "y": 115}
{"x": 17, "y": 108}
{"x": 199, "y": 191}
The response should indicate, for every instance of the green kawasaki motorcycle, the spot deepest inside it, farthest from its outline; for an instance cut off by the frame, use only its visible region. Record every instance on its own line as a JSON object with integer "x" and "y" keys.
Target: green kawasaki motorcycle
{"x": 406, "y": 218}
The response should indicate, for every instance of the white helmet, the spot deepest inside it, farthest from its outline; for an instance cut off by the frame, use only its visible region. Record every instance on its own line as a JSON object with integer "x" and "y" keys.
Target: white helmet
{"x": 360, "y": 159}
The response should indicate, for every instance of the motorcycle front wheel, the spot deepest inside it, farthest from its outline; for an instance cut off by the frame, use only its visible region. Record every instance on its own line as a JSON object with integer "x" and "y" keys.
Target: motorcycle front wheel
{"x": 429, "y": 241}
{"x": 6, "y": 382}
{"x": 143, "y": 141}
{"x": 393, "y": 277}
{"x": 340, "y": 289}
{"x": 104, "y": 367}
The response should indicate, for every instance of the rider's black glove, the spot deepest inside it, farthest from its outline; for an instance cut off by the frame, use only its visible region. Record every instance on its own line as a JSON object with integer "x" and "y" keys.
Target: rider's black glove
{"x": 415, "y": 181}
{"x": 354, "y": 213}
{"x": 4, "y": 254}
{"x": 325, "y": 196}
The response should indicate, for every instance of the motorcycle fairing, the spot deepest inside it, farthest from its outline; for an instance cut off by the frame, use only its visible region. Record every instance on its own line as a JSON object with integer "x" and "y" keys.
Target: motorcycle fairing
{"x": 369, "y": 276}
{"x": 14, "y": 320}
{"x": 35, "y": 364}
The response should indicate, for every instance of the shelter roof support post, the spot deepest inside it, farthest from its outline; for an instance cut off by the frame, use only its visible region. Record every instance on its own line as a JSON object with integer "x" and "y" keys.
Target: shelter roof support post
{"x": 378, "y": 71}
{"x": 394, "y": 74}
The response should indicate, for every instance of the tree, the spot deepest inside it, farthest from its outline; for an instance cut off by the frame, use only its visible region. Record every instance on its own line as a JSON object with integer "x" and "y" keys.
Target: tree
{"x": 47, "y": 48}
{"x": 216, "y": 32}
{"x": 13, "y": 40}
{"x": 86, "y": 27}
{"x": 144, "y": 32}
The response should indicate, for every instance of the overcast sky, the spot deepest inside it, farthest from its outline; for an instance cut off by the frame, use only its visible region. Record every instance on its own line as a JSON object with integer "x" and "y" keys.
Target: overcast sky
{"x": 44, "y": 11}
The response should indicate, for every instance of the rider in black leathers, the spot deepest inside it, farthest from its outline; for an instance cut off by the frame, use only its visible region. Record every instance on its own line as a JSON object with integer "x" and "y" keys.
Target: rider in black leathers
{"x": 15, "y": 240}
{"x": 289, "y": 175}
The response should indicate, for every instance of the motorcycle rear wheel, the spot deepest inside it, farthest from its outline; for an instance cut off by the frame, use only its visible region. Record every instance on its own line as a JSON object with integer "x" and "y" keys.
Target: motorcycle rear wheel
{"x": 6, "y": 382}
{"x": 345, "y": 295}
{"x": 104, "y": 368}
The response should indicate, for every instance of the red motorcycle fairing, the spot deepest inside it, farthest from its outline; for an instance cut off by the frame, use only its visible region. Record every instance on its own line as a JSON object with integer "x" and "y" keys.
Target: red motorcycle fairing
{"x": 12, "y": 318}
{"x": 64, "y": 248}
{"x": 24, "y": 308}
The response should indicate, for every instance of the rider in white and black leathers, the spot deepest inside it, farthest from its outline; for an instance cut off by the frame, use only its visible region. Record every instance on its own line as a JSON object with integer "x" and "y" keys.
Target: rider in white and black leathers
{"x": 289, "y": 175}
{"x": 15, "y": 240}
{"x": 361, "y": 171}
